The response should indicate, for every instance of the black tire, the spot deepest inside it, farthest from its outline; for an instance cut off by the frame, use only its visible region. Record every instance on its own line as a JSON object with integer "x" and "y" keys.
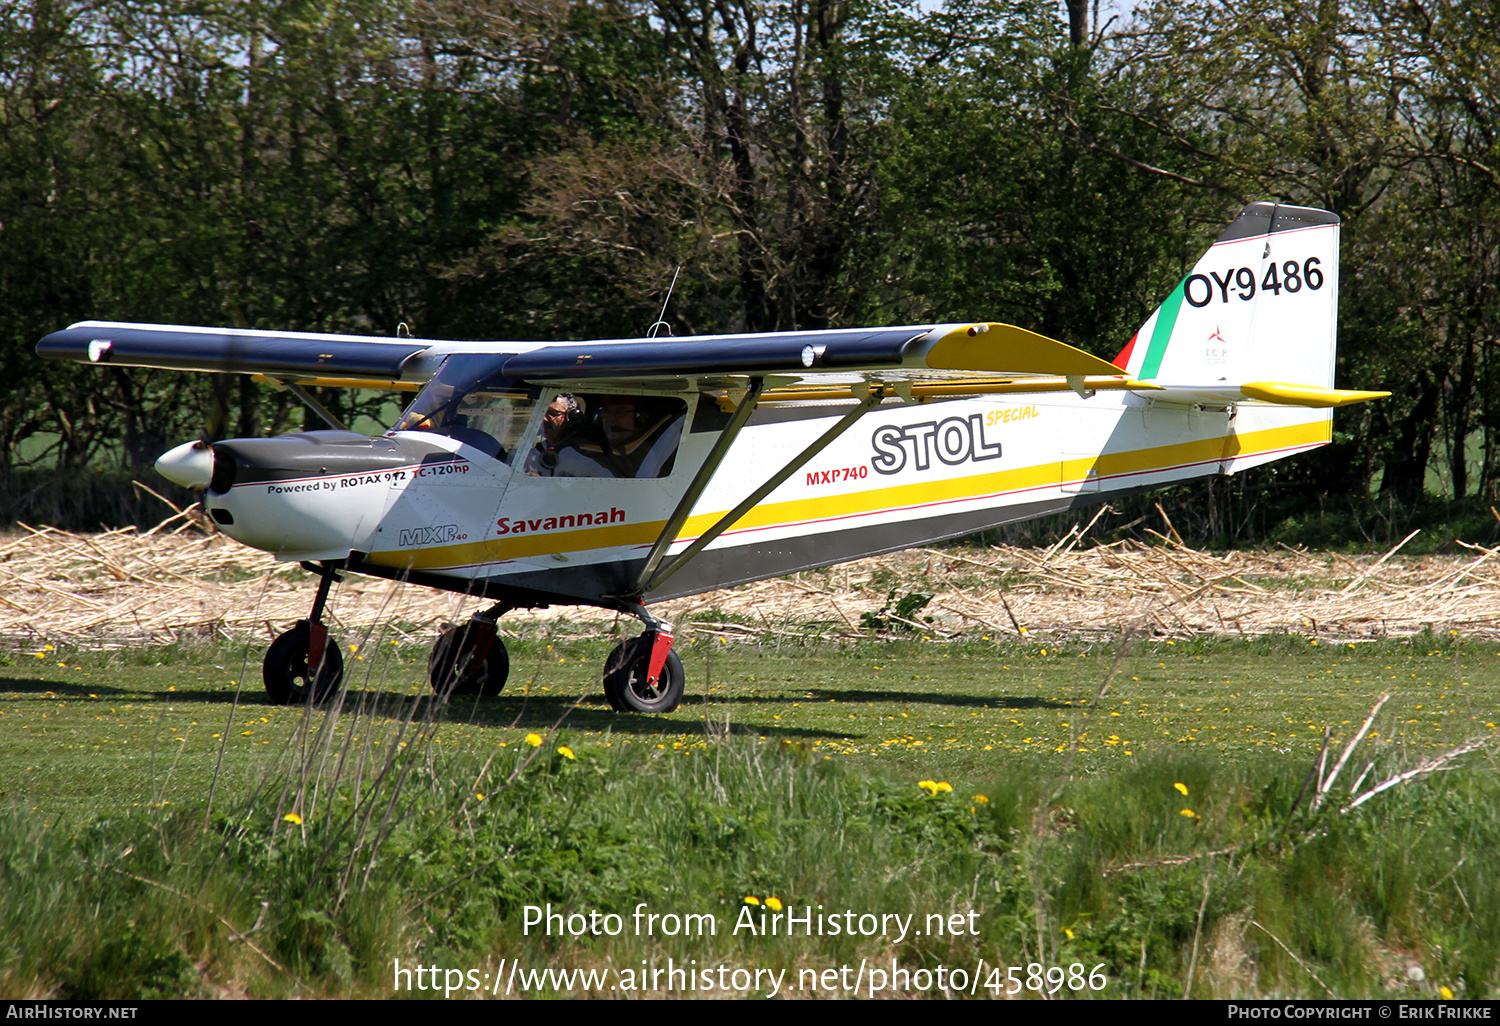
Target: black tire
{"x": 451, "y": 651}
{"x": 614, "y": 663}
{"x": 286, "y": 674}
{"x": 625, "y": 679}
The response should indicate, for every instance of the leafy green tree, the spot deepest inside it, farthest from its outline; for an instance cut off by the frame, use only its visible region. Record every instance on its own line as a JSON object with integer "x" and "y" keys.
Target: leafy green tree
{"x": 1374, "y": 110}
{"x": 1018, "y": 182}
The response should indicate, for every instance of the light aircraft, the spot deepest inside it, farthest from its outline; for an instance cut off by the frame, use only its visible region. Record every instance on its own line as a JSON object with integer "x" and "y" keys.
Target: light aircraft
{"x": 615, "y": 473}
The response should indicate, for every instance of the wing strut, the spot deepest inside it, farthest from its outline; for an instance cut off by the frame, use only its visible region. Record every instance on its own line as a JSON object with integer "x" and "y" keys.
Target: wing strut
{"x": 700, "y": 480}
{"x": 311, "y": 403}
{"x": 873, "y": 398}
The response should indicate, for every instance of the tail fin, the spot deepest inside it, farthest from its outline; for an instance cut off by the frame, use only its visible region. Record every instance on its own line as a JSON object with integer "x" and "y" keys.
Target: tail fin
{"x": 1261, "y": 306}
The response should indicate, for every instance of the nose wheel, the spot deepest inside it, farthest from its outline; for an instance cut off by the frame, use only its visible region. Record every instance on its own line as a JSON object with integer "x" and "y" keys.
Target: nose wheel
{"x": 469, "y": 660}
{"x": 292, "y": 672}
{"x": 628, "y": 682}
{"x": 305, "y": 662}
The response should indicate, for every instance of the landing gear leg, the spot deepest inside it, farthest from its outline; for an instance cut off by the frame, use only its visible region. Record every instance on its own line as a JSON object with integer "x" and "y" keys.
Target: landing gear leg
{"x": 304, "y": 663}
{"x": 471, "y": 660}
{"x": 644, "y": 674}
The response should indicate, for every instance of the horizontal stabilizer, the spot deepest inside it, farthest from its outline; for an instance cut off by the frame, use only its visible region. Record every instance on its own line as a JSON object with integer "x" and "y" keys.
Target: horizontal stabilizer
{"x": 1279, "y": 393}
{"x": 1284, "y": 394}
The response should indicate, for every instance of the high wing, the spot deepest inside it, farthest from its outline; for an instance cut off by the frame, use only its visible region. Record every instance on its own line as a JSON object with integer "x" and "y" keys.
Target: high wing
{"x": 920, "y": 362}
{"x": 910, "y": 352}
{"x": 351, "y": 358}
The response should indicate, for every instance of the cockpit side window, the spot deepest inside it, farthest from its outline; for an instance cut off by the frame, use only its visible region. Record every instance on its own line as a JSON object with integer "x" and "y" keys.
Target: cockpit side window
{"x": 470, "y": 401}
{"x": 608, "y": 435}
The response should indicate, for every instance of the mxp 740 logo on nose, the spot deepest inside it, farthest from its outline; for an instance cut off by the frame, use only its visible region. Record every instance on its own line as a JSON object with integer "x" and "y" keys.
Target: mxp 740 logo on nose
{"x": 441, "y": 535}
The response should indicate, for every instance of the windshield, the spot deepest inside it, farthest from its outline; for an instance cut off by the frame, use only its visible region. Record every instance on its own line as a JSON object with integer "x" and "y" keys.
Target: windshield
{"x": 469, "y": 400}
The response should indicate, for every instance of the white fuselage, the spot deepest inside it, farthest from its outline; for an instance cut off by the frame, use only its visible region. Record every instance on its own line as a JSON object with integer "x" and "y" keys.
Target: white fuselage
{"x": 901, "y": 475}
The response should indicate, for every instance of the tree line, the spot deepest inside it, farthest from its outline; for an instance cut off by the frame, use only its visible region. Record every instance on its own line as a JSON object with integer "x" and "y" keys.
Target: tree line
{"x": 539, "y": 169}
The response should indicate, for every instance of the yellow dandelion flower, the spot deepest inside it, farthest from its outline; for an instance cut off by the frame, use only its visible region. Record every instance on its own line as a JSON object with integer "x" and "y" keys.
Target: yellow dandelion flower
{"x": 981, "y": 799}
{"x": 1181, "y": 788}
{"x": 930, "y": 786}
{"x": 534, "y": 740}
{"x": 751, "y": 899}
{"x": 1068, "y": 933}
{"x": 1189, "y": 813}
{"x": 944, "y": 787}
{"x": 1444, "y": 991}
{"x": 773, "y": 903}
{"x": 292, "y": 817}
{"x": 565, "y": 752}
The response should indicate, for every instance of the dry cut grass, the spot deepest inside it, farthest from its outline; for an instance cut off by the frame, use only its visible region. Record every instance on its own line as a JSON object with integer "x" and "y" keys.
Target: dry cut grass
{"x": 129, "y": 587}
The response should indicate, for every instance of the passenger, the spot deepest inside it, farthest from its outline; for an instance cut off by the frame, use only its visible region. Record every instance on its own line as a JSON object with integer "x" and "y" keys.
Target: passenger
{"x": 635, "y": 439}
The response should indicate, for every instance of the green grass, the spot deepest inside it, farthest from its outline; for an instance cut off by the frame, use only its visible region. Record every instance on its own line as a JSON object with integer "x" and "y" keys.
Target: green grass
{"x": 149, "y": 726}
{"x": 789, "y": 771}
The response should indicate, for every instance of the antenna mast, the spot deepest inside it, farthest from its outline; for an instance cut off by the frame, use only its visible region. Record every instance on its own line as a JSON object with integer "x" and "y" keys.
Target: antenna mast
{"x": 660, "y": 323}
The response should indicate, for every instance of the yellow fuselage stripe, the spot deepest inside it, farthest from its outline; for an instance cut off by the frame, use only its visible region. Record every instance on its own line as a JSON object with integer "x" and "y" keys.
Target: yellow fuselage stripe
{"x": 871, "y": 500}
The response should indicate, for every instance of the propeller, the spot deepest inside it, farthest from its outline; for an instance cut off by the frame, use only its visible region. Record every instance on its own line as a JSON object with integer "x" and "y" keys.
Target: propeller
{"x": 191, "y": 464}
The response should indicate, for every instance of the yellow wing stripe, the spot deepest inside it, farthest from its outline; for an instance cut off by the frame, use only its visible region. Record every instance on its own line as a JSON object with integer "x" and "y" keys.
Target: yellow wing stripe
{"x": 374, "y": 384}
{"x": 873, "y": 500}
{"x": 956, "y": 389}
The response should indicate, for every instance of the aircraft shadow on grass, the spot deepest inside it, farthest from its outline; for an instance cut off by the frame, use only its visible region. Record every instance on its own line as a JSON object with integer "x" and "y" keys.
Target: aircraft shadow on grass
{"x": 816, "y": 695}
{"x": 31, "y": 687}
{"x": 541, "y": 712}
{"x": 528, "y": 712}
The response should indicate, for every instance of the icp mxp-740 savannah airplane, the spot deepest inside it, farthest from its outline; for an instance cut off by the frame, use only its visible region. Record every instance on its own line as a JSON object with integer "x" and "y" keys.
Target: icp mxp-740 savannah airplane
{"x": 616, "y": 473}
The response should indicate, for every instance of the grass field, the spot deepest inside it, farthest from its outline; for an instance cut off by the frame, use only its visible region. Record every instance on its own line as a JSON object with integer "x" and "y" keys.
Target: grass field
{"x": 138, "y": 727}
{"x": 1156, "y": 826}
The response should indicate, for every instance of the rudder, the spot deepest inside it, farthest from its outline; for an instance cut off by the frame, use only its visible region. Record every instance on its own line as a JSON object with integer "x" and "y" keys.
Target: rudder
{"x": 1261, "y": 304}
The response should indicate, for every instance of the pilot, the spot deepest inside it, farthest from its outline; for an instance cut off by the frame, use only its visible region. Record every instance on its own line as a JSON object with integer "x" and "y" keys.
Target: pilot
{"x": 635, "y": 440}
{"x": 560, "y": 422}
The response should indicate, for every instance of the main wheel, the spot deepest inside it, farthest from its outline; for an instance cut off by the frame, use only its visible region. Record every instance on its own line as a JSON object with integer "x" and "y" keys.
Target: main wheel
{"x": 449, "y": 665}
{"x": 285, "y": 670}
{"x": 625, "y": 679}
